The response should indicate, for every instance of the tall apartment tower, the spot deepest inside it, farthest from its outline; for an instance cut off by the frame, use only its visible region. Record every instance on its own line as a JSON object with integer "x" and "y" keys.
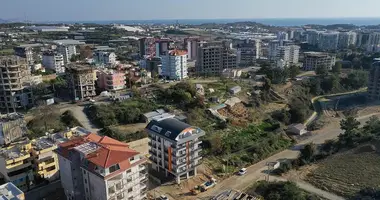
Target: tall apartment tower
{"x": 374, "y": 82}
{"x": 248, "y": 52}
{"x": 81, "y": 81}
{"x": 53, "y": 61}
{"x": 213, "y": 57}
{"x": 67, "y": 51}
{"x": 272, "y": 49}
{"x": 174, "y": 147}
{"x": 289, "y": 54}
{"x": 97, "y": 168}
{"x": 15, "y": 91}
{"x": 174, "y": 65}
{"x": 373, "y": 44}
{"x": 192, "y": 48}
{"x": 328, "y": 41}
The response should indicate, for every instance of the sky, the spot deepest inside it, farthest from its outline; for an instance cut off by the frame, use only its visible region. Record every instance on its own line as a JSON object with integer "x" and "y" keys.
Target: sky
{"x": 91, "y": 10}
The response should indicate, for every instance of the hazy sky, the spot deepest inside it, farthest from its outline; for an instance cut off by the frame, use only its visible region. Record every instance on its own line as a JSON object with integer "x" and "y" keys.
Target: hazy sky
{"x": 68, "y": 10}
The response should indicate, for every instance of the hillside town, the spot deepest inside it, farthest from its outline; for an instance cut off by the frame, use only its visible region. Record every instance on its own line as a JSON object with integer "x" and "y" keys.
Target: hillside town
{"x": 180, "y": 111}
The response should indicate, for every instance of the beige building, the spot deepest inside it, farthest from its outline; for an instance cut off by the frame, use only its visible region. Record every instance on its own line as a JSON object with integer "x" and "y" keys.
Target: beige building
{"x": 100, "y": 168}
{"x": 313, "y": 60}
{"x": 81, "y": 80}
{"x": 15, "y": 91}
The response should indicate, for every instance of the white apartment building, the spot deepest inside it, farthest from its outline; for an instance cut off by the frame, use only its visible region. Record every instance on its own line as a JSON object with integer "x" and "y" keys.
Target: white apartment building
{"x": 101, "y": 168}
{"x": 174, "y": 65}
{"x": 67, "y": 51}
{"x": 192, "y": 48}
{"x": 288, "y": 54}
{"x": 174, "y": 147}
{"x": 346, "y": 39}
{"x": 104, "y": 58}
{"x": 373, "y": 43}
{"x": 313, "y": 36}
{"x": 313, "y": 60}
{"x": 53, "y": 61}
{"x": 328, "y": 41}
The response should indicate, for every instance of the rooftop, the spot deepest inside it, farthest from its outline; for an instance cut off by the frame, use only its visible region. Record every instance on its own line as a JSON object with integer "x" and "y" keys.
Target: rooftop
{"x": 316, "y": 54}
{"x": 8, "y": 191}
{"x": 42, "y": 143}
{"x": 68, "y": 42}
{"x": 79, "y": 67}
{"x": 101, "y": 151}
{"x": 177, "y": 52}
{"x": 15, "y": 151}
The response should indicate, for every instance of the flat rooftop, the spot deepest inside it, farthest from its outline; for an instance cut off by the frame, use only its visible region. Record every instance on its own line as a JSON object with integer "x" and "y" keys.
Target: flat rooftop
{"x": 68, "y": 42}
{"x": 14, "y": 152}
{"x": 42, "y": 143}
{"x": 8, "y": 191}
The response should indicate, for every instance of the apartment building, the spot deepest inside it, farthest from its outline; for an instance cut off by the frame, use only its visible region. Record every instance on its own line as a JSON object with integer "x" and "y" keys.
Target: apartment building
{"x": 313, "y": 60}
{"x": 147, "y": 46}
{"x": 192, "y": 48}
{"x": 273, "y": 46}
{"x": 213, "y": 57}
{"x": 174, "y": 147}
{"x": 81, "y": 81}
{"x": 104, "y": 58}
{"x": 289, "y": 54}
{"x": 100, "y": 168}
{"x": 25, "y": 52}
{"x": 248, "y": 52}
{"x": 111, "y": 80}
{"x": 373, "y": 43}
{"x": 16, "y": 165}
{"x": 162, "y": 47}
{"x": 45, "y": 160}
{"x": 328, "y": 41}
{"x": 53, "y": 61}
{"x": 362, "y": 39}
{"x": 15, "y": 91}
{"x": 374, "y": 82}
{"x": 346, "y": 39}
{"x": 153, "y": 66}
{"x": 174, "y": 65}
{"x": 9, "y": 191}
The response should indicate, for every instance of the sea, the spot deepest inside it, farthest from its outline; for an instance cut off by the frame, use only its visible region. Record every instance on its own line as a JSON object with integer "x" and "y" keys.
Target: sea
{"x": 269, "y": 21}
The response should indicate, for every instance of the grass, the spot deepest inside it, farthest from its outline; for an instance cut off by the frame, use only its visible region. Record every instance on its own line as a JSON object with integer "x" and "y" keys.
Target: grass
{"x": 348, "y": 172}
{"x": 6, "y": 51}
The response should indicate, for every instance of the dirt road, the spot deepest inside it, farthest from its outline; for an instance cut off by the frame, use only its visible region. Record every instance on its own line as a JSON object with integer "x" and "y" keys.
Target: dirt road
{"x": 257, "y": 171}
{"x": 78, "y": 112}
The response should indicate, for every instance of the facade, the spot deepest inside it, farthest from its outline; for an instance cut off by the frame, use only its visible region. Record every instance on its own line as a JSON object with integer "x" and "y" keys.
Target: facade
{"x": 174, "y": 147}
{"x": 15, "y": 91}
{"x": 81, "y": 81}
{"x": 100, "y": 168}
{"x": 273, "y": 46}
{"x": 346, "y": 39}
{"x": 192, "y": 48}
{"x": 104, "y": 58}
{"x": 67, "y": 51}
{"x": 289, "y": 54}
{"x": 9, "y": 191}
{"x": 373, "y": 44}
{"x": 16, "y": 165}
{"x": 162, "y": 47}
{"x": 313, "y": 60}
{"x": 147, "y": 46}
{"x": 53, "y": 61}
{"x": 174, "y": 65}
{"x": 282, "y": 36}
{"x": 152, "y": 65}
{"x": 248, "y": 52}
{"x": 25, "y": 52}
{"x": 213, "y": 57}
{"x": 362, "y": 39}
{"x": 111, "y": 80}
{"x": 374, "y": 82}
{"x": 328, "y": 41}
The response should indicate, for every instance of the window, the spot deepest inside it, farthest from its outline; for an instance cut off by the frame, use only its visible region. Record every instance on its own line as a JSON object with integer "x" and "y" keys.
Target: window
{"x": 114, "y": 168}
{"x": 132, "y": 159}
{"x": 85, "y": 181}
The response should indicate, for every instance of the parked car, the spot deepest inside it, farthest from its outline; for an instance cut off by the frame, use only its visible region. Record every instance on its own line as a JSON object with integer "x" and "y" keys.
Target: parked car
{"x": 242, "y": 171}
{"x": 163, "y": 197}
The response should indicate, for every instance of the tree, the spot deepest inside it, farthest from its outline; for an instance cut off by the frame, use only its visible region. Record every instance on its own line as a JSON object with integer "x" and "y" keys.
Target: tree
{"x": 337, "y": 68}
{"x": 293, "y": 71}
{"x": 349, "y": 124}
{"x": 308, "y": 152}
{"x": 322, "y": 70}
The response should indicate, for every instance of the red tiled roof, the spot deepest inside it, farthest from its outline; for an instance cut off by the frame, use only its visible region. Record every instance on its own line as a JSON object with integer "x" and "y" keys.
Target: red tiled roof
{"x": 177, "y": 52}
{"x": 110, "y": 151}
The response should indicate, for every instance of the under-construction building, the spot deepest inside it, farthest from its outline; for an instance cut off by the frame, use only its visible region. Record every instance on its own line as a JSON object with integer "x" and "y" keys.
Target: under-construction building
{"x": 15, "y": 90}
{"x": 81, "y": 81}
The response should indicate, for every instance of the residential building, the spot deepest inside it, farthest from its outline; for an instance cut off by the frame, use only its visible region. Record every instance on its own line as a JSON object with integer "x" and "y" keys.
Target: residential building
{"x": 374, "y": 81}
{"x": 362, "y": 39}
{"x": 312, "y": 36}
{"x": 192, "y": 48}
{"x": 25, "y": 52}
{"x": 12, "y": 128}
{"x": 97, "y": 168}
{"x": 9, "y": 191}
{"x": 147, "y": 46}
{"x": 313, "y": 60}
{"x": 44, "y": 159}
{"x": 272, "y": 49}
{"x": 174, "y": 65}
{"x": 16, "y": 165}
{"x": 67, "y": 48}
{"x": 53, "y": 61}
{"x": 174, "y": 147}
{"x": 14, "y": 84}
{"x": 104, "y": 58}
{"x": 289, "y": 54}
{"x": 328, "y": 41}
{"x": 282, "y": 36}
{"x": 111, "y": 80}
{"x": 81, "y": 81}
{"x": 346, "y": 39}
{"x": 162, "y": 47}
{"x": 153, "y": 66}
{"x": 248, "y": 52}
{"x": 213, "y": 57}
{"x": 373, "y": 44}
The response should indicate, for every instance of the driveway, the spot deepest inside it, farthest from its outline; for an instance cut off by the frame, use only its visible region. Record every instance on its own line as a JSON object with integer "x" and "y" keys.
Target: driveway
{"x": 78, "y": 112}
{"x": 257, "y": 171}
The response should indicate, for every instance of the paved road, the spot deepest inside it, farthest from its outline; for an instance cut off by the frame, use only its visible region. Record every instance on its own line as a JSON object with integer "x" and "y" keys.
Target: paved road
{"x": 257, "y": 171}
{"x": 310, "y": 188}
